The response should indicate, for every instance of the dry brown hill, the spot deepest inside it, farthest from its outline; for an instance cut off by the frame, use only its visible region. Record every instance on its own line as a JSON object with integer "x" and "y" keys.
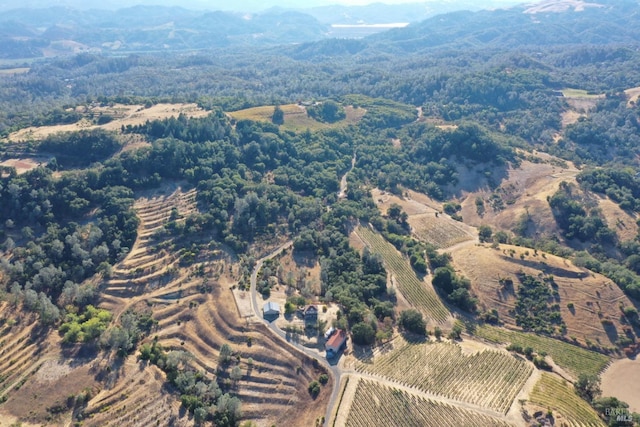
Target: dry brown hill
{"x": 595, "y": 316}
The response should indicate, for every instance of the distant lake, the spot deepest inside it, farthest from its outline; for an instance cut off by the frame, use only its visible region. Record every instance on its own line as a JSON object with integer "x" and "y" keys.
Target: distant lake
{"x": 357, "y": 31}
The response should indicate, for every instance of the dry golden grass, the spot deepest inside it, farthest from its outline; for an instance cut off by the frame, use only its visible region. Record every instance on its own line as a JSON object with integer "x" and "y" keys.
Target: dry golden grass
{"x": 10, "y": 71}
{"x": 633, "y": 94}
{"x": 123, "y": 115}
{"x": 622, "y": 380}
{"x": 525, "y": 189}
{"x": 595, "y": 298}
{"x": 296, "y": 118}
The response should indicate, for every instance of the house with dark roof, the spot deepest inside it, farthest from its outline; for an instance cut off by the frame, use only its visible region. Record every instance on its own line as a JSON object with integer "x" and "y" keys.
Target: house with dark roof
{"x": 310, "y": 314}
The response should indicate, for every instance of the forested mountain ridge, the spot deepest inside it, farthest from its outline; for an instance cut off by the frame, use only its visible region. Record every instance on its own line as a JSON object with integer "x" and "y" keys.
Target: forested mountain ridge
{"x": 29, "y": 33}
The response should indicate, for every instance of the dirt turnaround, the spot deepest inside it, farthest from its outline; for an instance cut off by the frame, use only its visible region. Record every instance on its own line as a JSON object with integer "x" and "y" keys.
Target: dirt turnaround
{"x": 622, "y": 380}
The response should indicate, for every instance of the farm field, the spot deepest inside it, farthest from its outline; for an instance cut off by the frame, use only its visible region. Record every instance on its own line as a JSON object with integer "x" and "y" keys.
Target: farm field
{"x": 571, "y": 358}
{"x": 418, "y": 293}
{"x": 588, "y": 302}
{"x": 488, "y": 379}
{"x": 441, "y": 231}
{"x": 553, "y": 393}
{"x": 375, "y": 404}
{"x": 296, "y": 118}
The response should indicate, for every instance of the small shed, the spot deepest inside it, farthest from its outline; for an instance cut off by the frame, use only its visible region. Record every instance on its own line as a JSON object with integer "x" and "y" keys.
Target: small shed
{"x": 271, "y": 309}
{"x": 335, "y": 343}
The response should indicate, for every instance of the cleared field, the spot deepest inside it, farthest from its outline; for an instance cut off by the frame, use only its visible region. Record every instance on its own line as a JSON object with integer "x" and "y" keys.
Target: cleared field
{"x": 441, "y": 231}
{"x": 25, "y": 164}
{"x": 123, "y": 115}
{"x": 579, "y": 93}
{"x": 589, "y": 303}
{"x": 418, "y": 292}
{"x": 489, "y": 379}
{"x": 622, "y": 380}
{"x": 378, "y": 405}
{"x": 633, "y": 94}
{"x": 555, "y": 394}
{"x": 10, "y": 71}
{"x": 296, "y": 118}
{"x": 569, "y": 357}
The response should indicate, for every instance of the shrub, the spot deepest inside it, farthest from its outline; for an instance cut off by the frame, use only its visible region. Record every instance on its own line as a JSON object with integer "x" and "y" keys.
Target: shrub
{"x": 323, "y": 379}
{"x": 314, "y": 388}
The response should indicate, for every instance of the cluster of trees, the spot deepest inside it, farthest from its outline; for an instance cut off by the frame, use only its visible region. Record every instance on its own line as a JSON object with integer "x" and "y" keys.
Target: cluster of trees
{"x": 572, "y": 217}
{"x": 328, "y": 111}
{"x": 620, "y": 185}
{"x": 60, "y": 231}
{"x": 454, "y": 288}
{"x": 537, "y": 307}
{"x": 81, "y": 148}
{"x": 200, "y": 395}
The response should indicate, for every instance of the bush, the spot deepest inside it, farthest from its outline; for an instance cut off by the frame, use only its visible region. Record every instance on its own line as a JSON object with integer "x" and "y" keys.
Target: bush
{"x": 314, "y": 388}
{"x": 323, "y": 379}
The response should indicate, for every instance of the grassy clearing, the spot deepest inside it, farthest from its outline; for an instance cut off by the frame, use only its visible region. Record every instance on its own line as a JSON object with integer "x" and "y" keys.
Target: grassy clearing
{"x": 555, "y": 394}
{"x": 417, "y": 292}
{"x": 490, "y": 379}
{"x": 10, "y": 71}
{"x": 579, "y": 93}
{"x": 377, "y": 405}
{"x": 572, "y": 358}
{"x": 296, "y": 118}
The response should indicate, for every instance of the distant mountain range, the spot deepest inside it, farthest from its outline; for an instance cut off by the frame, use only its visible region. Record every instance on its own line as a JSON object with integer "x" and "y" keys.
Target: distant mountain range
{"x": 32, "y": 33}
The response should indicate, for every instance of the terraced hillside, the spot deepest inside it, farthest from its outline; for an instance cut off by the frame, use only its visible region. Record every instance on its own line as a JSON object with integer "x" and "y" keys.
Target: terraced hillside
{"x": 22, "y": 349}
{"x": 189, "y": 298}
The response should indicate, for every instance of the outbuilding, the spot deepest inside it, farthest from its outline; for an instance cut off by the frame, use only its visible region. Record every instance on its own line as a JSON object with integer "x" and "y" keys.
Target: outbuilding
{"x": 271, "y": 309}
{"x": 335, "y": 343}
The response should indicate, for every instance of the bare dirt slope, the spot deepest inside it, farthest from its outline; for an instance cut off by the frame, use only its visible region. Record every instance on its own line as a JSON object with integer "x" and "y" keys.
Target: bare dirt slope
{"x": 595, "y": 298}
{"x": 622, "y": 380}
{"x": 524, "y": 191}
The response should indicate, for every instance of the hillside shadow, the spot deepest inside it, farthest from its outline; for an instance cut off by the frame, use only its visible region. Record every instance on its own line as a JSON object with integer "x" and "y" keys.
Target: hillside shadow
{"x": 555, "y": 271}
{"x": 611, "y": 330}
{"x": 477, "y": 177}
